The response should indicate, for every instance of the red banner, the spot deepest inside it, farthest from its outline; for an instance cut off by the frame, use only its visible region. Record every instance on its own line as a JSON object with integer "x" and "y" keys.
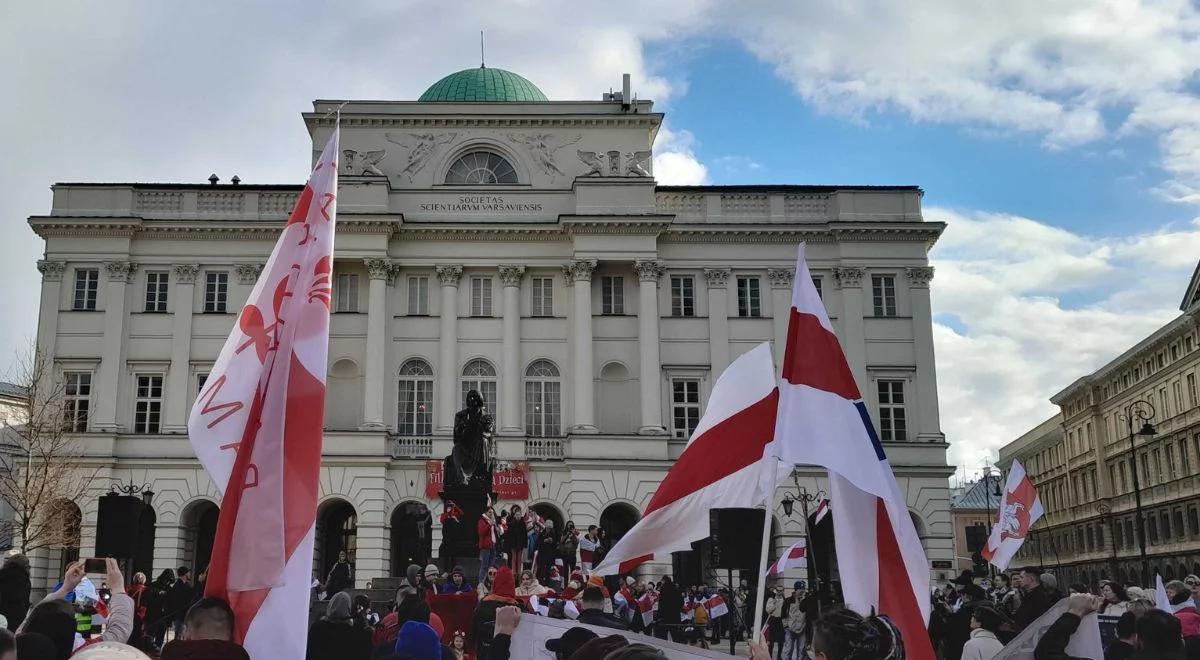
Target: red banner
{"x": 508, "y": 485}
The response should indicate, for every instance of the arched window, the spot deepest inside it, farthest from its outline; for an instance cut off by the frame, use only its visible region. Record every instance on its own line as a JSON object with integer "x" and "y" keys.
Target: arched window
{"x": 481, "y": 168}
{"x": 543, "y": 395}
{"x": 414, "y": 415}
{"x": 480, "y": 375}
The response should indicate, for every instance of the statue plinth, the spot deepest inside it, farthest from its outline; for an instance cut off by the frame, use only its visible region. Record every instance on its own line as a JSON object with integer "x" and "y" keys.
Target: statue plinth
{"x": 466, "y": 484}
{"x": 460, "y": 538}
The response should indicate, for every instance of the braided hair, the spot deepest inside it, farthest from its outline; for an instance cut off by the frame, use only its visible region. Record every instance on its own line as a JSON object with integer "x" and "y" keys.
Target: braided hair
{"x": 844, "y": 634}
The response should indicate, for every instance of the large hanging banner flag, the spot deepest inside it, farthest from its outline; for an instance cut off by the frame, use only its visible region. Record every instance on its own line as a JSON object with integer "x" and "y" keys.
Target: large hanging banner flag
{"x": 256, "y": 427}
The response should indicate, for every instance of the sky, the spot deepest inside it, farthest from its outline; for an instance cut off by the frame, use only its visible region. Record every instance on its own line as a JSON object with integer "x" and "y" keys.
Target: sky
{"x": 1059, "y": 141}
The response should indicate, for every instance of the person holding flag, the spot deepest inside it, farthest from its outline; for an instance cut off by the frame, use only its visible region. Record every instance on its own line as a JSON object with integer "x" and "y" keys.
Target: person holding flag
{"x": 256, "y": 427}
{"x": 1020, "y": 508}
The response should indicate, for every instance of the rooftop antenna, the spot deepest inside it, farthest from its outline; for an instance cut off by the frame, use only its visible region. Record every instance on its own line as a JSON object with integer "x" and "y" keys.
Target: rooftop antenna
{"x": 482, "y": 60}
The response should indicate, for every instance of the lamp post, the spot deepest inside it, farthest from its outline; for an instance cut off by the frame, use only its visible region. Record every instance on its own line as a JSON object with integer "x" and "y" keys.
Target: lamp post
{"x": 1106, "y": 513}
{"x": 118, "y": 489}
{"x": 805, "y": 498}
{"x": 987, "y": 490}
{"x": 1142, "y": 411}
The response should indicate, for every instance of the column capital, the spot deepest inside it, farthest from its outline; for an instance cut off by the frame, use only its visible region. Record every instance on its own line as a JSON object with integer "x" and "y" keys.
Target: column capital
{"x": 717, "y": 278}
{"x": 510, "y": 274}
{"x": 120, "y": 271}
{"x": 579, "y": 270}
{"x": 186, "y": 273}
{"x": 248, "y": 273}
{"x": 649, "y": 270}
{"x": 378, "y": 269}
{"x": 919, "y": 276}
{"x": 52, "y": 271}
{"x": 449, "y": 275}
{"x": 849, "y": 276}
{"x": 781, "y": 278}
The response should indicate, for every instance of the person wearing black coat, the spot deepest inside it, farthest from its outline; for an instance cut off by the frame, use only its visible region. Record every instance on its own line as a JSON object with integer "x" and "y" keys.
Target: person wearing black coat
{"x": 1036, "y": 598}
{"x": 516, "y": 537}
{"x": 547, "y": 552}
{"x": 14, "y": 590}
{"x": 670, "y": 608}
{"x": 180, "y": 598}
{"x": 957, "y": 627}
{"x": 341, "y": 576}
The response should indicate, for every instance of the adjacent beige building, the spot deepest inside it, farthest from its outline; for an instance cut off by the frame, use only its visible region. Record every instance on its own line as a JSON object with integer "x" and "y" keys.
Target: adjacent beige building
{"x": 488, "y": 238}
{"x": 1083, "y": 464}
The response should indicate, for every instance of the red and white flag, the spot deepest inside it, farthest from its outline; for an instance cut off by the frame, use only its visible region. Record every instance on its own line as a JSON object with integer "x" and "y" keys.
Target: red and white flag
{"x": 719, "y": 468}
{"x": 823, "y": 421}
{"x": 795, "y": 557}
{"x": 646, "y": 606}
{"x": 256, "y": 428}
{"x": 716, "y": 607}
{"x": 1020, "y": 507}
{"x": 821, "y": 512}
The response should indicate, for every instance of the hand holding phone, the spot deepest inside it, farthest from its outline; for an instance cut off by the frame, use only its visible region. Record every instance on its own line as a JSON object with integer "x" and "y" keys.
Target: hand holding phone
{"x": 95, "y": 565}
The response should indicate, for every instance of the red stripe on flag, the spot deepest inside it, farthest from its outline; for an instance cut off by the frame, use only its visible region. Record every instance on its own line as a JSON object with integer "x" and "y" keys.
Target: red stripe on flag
{"x": 814, "y": 358}
{"x": 722, "y": 450}
{"x": 630, "y": 564}
{"x": 896, "y": 598}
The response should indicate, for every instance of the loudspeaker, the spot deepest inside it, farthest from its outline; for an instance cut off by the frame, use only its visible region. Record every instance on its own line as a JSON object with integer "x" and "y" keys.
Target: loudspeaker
{"x": 734, "y": 537}
{"x": 117, "y": 526}
{"x": 976, "y": 538}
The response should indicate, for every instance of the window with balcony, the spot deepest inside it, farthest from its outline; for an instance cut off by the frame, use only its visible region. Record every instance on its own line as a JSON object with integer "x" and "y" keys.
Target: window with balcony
{"x": 156, "y": 291}
{"x": 414, "y": 414}
{"x": 480, "y": 375}
{"x": 87, "y": 286}
{"x": 683, "y": 295}
{"x": 77, "y": 400}
{"x": 147, "y": 404}
{"x": 883, "y": 294}
{"x": 543, "y": 392}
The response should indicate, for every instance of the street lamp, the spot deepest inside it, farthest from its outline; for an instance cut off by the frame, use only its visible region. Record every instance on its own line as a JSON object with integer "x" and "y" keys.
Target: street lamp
{"x": 1142, "y": 411}
{"x": 804, "y": 498}
{"x": 130, "y": 489}
{"x": 987, "y": 476}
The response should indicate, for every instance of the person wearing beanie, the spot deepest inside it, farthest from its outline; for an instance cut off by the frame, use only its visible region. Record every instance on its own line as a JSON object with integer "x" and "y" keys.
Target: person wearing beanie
{"x": 335, "y": 637}
{"x": 457, "y": 584}
{"x": 983, "y": 644}
{"x": 418, "y": 641}
{"x": 414, "y": 576}
{"x": 483, "y": 626}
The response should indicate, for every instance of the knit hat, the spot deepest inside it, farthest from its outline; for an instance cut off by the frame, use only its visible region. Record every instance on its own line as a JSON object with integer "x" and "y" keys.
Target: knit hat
{"x": 504, "y": 584}
{"x": 431, "y": 571}
{"x": 798, "y": 584}
{"x": 338, "y": 610}
{"x": 418, "y": 641}
{"x": 457, "y": 570}
{"x": 414, "y": 573}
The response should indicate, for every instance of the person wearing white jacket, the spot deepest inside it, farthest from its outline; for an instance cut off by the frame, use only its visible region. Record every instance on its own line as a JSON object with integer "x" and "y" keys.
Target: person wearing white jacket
{"x": 983, "y": 644}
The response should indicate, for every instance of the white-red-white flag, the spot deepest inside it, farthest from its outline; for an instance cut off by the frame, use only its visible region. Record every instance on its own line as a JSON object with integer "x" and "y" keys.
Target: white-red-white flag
{"x": 821, "y": 512}
{"x": 824, "y": 421}
{"x": 1020, "y": 507}
{"x": 256, "y": 428}
{"x": 719, "y": 468}
{"x": 794, "y": 557}
{"x": 716, "y": 607}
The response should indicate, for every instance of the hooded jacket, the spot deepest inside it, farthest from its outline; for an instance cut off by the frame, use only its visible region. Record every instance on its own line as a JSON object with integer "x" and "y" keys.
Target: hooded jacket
{"x": 335, "y": 637}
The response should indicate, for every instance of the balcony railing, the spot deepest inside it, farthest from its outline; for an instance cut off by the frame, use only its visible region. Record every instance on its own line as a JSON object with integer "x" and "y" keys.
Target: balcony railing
{"x": 544, "y": 449}
{"x": 403, "y": 447}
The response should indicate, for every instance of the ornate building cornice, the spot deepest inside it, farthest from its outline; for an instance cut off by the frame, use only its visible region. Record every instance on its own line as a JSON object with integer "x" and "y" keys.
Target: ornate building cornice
{"x": 186, "y": 273}
{"x": 849, "y": 276}
{"x": 649, "y": 270}
{"x": 781, "y": 278}
{"x": 248, "y": 273}
{"x": 52, "y": 271}
{"x": 717, "y": 278}
{"x": 919, "y": 276}
{"x": 510, "y": 274}
{"x": 120, "y": 271}
{"x": 522, "y": 122}
{"x": 579, "y": 270}
{"x": 378, "y": 269}
{"x": 449, "y": 275}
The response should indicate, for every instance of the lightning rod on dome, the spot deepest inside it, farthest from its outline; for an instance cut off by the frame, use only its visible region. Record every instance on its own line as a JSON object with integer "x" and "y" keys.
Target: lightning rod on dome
{"x": 482, "y": 59}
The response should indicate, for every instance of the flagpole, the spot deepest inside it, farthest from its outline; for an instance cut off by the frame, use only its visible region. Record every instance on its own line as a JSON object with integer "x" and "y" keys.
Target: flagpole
{"x": 762, "y": 558}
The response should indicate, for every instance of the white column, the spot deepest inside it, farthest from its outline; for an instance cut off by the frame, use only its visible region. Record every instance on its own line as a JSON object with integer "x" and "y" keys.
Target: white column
{"x": 781, "y": 309}
{"x": 379, "y": 271}
{"x": 447, "y": 370}
{"x": 928, "y": 418}
{"x": 510, "y": 368}
{"x": 849, "y": 280}
{"x": 47, "y": 332}
{"x": 717, "y": 280}
{"x": 108, "y": 382}
{"x": 179, "y": 384}
{"x": 650, "y": 368}
{"x": 579, "y": 271}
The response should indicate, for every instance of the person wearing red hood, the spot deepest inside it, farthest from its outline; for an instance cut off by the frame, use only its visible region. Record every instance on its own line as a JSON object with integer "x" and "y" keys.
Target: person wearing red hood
{"x": 207, "y": 634}
{"x": 503, "y": 594}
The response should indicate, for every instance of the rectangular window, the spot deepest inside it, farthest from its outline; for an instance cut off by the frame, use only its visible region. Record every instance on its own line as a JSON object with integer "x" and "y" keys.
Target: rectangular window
{"x": 156, "y": 291}
{"x": 883, "y": 291}
{"x": 612, "y": 294}
{"x": 1170, "y": 452}
{"x": 201, "y": 379}
{"x": 1112, "y": 476}
{"x": 1162, "y": 401}
{"x": 87, "y": 285}
{"x": 817, "y": 284}
{"x": 147, "y": 406}
{"x": 216, "y": 292}
{"x": 1191, "y": 385}
{"x": 1185, "y": 459}
{"x": 1193, "y": 522}
{"x": 1165, "y": 520}
{"x": 1158, "y": 468}
{"x": 1152, "y": 527}
{"x": 749, "y": 297}
{"x": 1145, "y": 467}
{"x": 1129, "y": 531}
{"x": 543, "y": 296}
{"x": 542, "y": 411}
{"x": 1177, "y": 520}
{"x": 1177, "y": 387}
{"x": 893, "y": 424}
{"x": 481, "y": 296}
{"x": 683, "y": 295}
{"x": 418, "y": 295}
{"x": 345, "y": 293}
{"x": 685, "y": 406}
{"x": 1187, "y": 344}
{"x": 77, "y": 400}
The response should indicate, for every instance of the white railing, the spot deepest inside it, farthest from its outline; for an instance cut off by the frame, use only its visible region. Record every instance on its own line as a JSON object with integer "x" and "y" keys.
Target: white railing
{"x": 546, "y": 449}
{"x": 403, "y": 447}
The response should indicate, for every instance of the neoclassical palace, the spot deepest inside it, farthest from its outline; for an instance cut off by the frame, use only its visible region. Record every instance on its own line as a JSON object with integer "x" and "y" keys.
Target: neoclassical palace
{"x": 487, "y": 239}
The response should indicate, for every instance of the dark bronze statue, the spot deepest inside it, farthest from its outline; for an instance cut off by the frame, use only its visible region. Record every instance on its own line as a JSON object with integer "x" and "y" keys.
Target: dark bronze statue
{"x": 470, "y": 464}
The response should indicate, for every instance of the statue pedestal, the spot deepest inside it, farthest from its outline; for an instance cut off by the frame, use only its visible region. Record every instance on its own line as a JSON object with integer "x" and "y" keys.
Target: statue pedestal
{"x": 460, "y": 539}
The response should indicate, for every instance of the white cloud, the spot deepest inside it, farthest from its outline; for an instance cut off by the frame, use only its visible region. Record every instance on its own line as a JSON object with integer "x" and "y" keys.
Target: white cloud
{"x": 675, "y": 162}
{"x": 1039, "y": 307}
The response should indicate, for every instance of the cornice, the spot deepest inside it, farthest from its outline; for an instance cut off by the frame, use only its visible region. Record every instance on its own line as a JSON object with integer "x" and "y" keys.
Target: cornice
{"x": 482, "y": 233}
{"x": 96, "y": 228}
{"x": 617, "y": 225}
{"x": 743, "y": 234}
{"x": 648, "y": 120}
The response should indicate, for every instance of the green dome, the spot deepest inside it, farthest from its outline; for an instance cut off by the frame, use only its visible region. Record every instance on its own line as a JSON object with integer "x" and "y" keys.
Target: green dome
{"x": 482, "y": 85}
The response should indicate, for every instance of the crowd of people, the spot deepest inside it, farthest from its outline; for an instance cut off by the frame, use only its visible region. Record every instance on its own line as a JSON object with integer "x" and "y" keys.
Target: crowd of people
{"x": 973, "y": 619}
